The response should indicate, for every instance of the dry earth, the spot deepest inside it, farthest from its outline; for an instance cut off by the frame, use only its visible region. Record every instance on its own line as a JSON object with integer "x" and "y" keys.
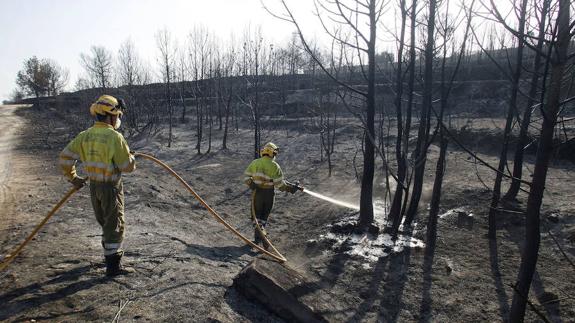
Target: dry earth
{"x": 186, "y": 261}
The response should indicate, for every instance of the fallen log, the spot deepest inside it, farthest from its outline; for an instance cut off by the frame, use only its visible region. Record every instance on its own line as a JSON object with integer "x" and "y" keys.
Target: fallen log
{"x": 279, "y": 288}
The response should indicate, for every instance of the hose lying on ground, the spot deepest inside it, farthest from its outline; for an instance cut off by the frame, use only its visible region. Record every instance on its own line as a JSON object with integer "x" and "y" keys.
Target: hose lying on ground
{"x": 15, "y": 253}
{"x": 277, "y": 256}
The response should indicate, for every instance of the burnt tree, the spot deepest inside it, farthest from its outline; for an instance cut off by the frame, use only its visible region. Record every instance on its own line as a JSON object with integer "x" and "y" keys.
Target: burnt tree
{"x": 558, "y": 61}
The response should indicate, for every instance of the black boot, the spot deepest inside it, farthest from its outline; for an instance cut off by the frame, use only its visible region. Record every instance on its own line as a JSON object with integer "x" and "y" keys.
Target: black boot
{"x": 257, "y": 238}
{"x": 114, "y": 266}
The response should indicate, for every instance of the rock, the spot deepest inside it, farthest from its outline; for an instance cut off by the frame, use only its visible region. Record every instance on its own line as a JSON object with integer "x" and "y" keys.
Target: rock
{"x": 279, "y": 288}
{"x": 311, "y": 242}
{"x": 465, "y": 220}
{"x": 553, "y": 217}
{"x": 448, "y": 266}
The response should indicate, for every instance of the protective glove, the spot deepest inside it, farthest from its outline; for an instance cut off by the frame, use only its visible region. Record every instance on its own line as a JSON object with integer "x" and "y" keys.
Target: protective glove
{"x": 252, "y": 185}
{"x": 78, "y": 182}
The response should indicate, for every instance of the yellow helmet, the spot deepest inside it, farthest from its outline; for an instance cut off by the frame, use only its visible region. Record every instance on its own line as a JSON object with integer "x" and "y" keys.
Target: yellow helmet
{"x": 270, "y": 149}
{"x": 107, "y": 104}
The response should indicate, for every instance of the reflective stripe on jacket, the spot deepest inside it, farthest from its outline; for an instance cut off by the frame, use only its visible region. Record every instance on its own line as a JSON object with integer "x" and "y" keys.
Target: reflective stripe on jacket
{"x": 265, "y": 173}
{"x": 103, "y": 151}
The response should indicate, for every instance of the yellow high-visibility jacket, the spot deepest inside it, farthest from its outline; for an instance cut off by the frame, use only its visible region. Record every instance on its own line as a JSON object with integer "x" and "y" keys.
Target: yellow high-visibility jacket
{"x": 265, "y": 173}
{"x": 103, "y": 151}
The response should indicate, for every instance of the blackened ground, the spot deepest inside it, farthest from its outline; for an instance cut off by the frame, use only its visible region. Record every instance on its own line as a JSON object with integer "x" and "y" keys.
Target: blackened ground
{"x": 186, "y": 261}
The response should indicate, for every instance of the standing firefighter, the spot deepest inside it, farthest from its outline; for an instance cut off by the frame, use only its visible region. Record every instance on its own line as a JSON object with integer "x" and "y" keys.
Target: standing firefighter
{"x": 262, "y": 176}
{"x": 105, "y": 155}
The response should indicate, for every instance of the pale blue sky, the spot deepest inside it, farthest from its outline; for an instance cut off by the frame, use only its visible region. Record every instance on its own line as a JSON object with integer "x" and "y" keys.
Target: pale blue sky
{"x": 62, "y": 29}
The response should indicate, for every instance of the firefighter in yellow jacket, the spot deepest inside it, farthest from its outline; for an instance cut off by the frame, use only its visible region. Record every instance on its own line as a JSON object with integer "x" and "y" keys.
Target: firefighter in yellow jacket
{"x": 105, "y": 155}
{"x": 263, "y": 175}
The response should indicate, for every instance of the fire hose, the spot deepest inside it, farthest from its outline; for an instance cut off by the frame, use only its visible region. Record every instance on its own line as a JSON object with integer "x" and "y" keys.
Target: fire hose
{"x": 15, "y": 253}
{"x": 276, "y": 255}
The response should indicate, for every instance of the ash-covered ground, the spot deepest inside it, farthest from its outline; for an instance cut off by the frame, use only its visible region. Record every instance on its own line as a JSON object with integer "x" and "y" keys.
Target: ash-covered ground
{"x": 185, "y": 260}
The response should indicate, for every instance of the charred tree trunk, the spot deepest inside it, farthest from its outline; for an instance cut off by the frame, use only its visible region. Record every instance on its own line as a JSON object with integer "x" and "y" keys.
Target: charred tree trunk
{"x": 227, "y": 119}
{"x": 199, "y": 121}
{"x": 210, "y": 126}
{"x": 256, "y": 128}
{"x": 523, "y": 132}
{"x": 436, "y": 195}
{"x": 327, "y": 124}
{"x": 366, "y": 196}
{"x": 530, "y": 251}
{"x": 423, "y": 132}
{"x": 183, "y": 99}
{"x": 213, "y": 99}
{"x": 395, "y": 209}
{"x": 169, "y": 98}
{"x": 496, "y": 195}
{"x": 410, "y": 89}
{"x": 219, "y": 100}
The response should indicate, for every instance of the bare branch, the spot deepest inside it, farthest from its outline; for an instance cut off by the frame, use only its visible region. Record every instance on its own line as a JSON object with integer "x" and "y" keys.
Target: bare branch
{"x": 338, "y": 38}
{"x": 349, "y": 22}
{"x": 494, "y": 11}
{"x": 313, "y": 55}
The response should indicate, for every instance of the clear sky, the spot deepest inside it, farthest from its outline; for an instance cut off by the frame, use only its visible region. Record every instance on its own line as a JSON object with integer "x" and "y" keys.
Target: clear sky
{"x": 62, "y": 29}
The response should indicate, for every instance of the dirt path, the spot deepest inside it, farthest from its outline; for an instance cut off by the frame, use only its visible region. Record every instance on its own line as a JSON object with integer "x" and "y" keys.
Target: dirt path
{"x": 10, "y": 127}
{"x": 9, "y": 124}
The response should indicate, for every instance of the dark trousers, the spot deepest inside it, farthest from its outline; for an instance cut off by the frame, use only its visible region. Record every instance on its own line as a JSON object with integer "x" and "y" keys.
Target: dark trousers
{"x": 262, "y": 204}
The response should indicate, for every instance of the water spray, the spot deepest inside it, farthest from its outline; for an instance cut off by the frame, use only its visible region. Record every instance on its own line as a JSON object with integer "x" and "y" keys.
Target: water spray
{"x": 376, "y": 209}
{"x": 331, "y": 200}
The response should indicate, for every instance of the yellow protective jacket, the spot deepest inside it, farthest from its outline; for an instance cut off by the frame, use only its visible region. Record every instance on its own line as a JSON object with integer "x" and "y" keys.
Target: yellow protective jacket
{"x": 265, "y": 173}
{"x": 103, "y": 151}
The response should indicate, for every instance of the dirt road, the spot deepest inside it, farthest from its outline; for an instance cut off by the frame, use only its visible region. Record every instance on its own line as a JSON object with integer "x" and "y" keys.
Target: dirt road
{"x": 10, "y": 127}
{"x": 9, "y": 124}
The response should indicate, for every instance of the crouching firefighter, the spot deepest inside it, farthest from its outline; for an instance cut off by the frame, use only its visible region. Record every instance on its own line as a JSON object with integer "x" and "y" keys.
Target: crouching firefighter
{"x": 262, "y": 176}
{"x": 105, "y": 155}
